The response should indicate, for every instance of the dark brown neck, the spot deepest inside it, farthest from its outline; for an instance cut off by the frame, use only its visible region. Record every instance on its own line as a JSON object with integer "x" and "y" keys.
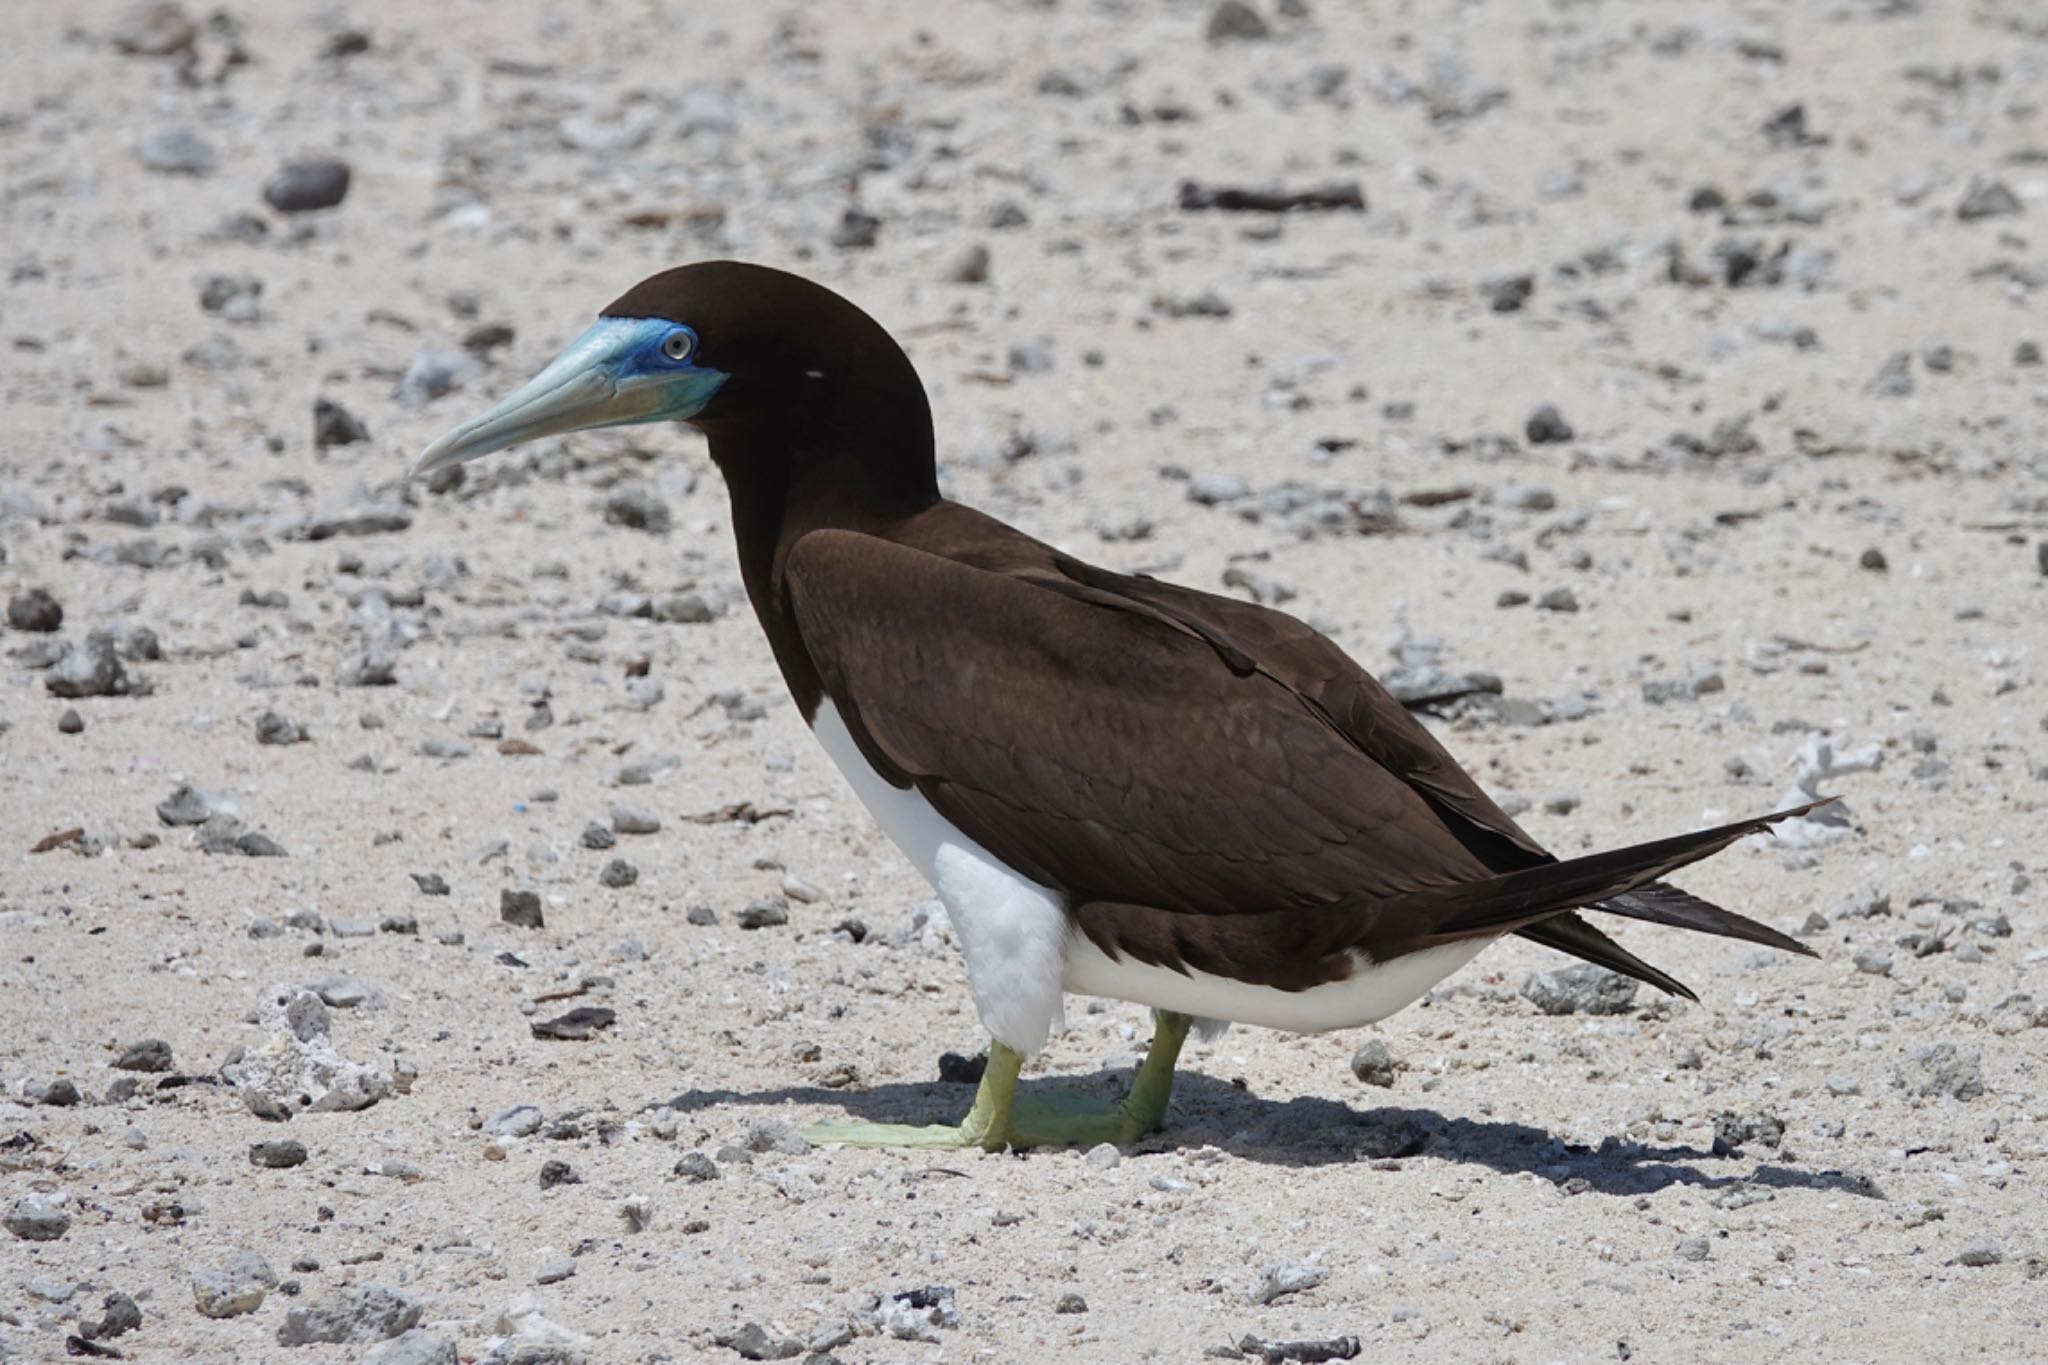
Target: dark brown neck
{"x": 786, "y": 480}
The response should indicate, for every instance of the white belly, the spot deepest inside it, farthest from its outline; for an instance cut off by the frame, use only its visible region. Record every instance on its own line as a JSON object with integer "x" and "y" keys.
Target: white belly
{"x": 1023, "y": 953}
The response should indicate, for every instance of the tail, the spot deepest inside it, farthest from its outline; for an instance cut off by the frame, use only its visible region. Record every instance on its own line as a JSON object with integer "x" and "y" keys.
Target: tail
{"x": 1535, "y": 901}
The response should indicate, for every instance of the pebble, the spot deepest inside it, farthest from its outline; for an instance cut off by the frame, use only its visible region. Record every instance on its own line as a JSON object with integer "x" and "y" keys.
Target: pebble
{"x": 151, "y": 1054}
{"x": 352, "y": 1315}
{"x": 1546, "y": 426}
{"x": 634, "y": 820}
{"x": 1307, "y": 1351}
{"x": 271, "y": 728}
{"x": 1104, "y": 1156}
{"x": 119, "y": 1314}
{"x": 1070, "y": 1303}
{"x": 1580, "y": 989}
{"x": 1694, "y": 1249}
{"x": 578, "y": 1025}
{"x": 34, "y": 610}
{"x": 1873, "y": 962}
{"x": 703, "y": 916}
{"x": 637, "y": 506}
{"x": 697, "y": 1166}
{"x": 90, "y": 668}
{"x": 970, "y": 266}
{"x": 1980, "y": 1251}
{"x": 618, "y": 873}
{"x": 153, "y": 28}
{"x": 776, "y": 1135}
{"x": 418, "y": 1346}
{"x": 277, "y": 1154}
{"x": 430, "y": 883}
{"x": 304, "y": 186}
{"x": 755, "y": 1342}
{"x": 234, "y": 1289}
{"x": 520, "y": 908}
{"x": 521, "y": 1120}
{"x": 1558, "y": 599}
{"x": 1942, "y": 1069}
{"x": 856, "y": 230}
{"x": 1373, "y": 1064}
{"x": 1236, "y": 21}
{"x": 554, "y": 1267}
{"x": 1279, "y": 1281}
{"x": 1987, "y": 199}
{"x": 766, "y": 913}
{"x": 334, "y": 425}
{"x": 37, "y": 1218}
{"x": 70, "y": 723}
{"x": 177, "y": 151}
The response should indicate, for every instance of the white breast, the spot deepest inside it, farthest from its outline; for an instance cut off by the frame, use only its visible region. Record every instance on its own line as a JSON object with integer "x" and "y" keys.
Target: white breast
{"x": 1012, "y": 930}
{"x": 1023, "y": 952}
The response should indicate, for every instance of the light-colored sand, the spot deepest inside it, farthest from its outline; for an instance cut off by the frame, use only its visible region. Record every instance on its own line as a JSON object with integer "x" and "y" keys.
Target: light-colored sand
{"x": 1531, "y": 1188}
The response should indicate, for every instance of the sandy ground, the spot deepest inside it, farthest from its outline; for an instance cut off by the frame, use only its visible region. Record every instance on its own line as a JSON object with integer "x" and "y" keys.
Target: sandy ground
{"x": 1806, "y": 460}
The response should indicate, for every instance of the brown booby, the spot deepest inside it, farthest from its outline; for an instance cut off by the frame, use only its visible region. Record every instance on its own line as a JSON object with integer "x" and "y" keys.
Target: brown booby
{"x": 1118, "y": 786}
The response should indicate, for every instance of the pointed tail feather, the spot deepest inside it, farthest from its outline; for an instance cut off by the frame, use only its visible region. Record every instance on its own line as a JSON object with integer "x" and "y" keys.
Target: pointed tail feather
{"x": 1567, "y": 933}
{"x": 1658, "y": 903}
{"x": 1513, "y": 900}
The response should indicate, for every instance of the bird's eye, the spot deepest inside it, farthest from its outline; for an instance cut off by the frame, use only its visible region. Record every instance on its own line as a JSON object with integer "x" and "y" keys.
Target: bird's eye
{"x": 678, "y": 346}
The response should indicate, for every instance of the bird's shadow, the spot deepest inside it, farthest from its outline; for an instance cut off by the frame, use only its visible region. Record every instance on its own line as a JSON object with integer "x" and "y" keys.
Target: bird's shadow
{"x": 1311, "y": 1131}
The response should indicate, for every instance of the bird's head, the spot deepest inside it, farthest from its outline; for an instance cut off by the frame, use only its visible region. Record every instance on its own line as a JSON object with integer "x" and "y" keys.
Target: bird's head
{"x": 767, "y": 358}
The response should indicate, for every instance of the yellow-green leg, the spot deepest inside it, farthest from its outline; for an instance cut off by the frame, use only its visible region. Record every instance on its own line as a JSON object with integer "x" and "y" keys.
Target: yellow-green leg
{"x": 1002, "y": 1118}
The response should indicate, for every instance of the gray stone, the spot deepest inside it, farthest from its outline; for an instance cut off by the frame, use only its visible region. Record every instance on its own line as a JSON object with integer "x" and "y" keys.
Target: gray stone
{"x": 430, "y": 883}
{"x": 70, "y": 723}
{"x": 353, "y": 1315}
{"x": 277, "y": 1154}
{"x": 177, "y": 151}
{"x": 271, "y": 728}
{"x": 766, "y": 913}
{"x": 153, "y": 28}
{"x": 857, "y": 230}
{"x": 374, "y": 665}
{"x": 754, "y": 1342}
{"x": 1987, "y": 199}
{"x": 1234, "y": 21}
{"x": 1980, "y": 1251}
{"x": 521, "y": 1120}
{"x": 1373, "y": 1063}
{"x": 1070, "y": 1303}
{"x": 418, "y": 1346}
{"x": 639, "y": 507}
{"x": 1546, "y": 426}
{"x": 697, "y": 1166}
{"x": 1581, "y": 989}
{"x": 90, "y": 668}
{"x": 235, "y": 1288}
{"x": 119, "y": 1315}
{"x": 37, "y": 1218}
{"x": 34, "y": 610}
{"x": 1942, "y": 1069}
{"x": 776, "y": 1135}
{"x": 521, "y": 908}
{"x": 1104, "y": 1156}
{"x": 634, "y": 820}
{"x": 1279, "y": 1281}
{"x": 190, "y": 805}
{"x": 151, "y": 1054}
{"x": 1694, "y": 1249}
{"x": 1558, "y": 599}
{"x": 304, "y": 186}
{"x": 335, "y": 425}
{"x": 555, "y": 1268}
{"x": 618, "y": 873}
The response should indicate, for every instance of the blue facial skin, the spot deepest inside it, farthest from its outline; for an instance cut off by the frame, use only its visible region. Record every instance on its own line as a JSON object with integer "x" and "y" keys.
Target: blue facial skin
{"x": 687, "y": 385}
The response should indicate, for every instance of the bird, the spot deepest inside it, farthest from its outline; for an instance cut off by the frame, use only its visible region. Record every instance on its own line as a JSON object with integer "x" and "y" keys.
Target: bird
{"x": 1117, "y": 786}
